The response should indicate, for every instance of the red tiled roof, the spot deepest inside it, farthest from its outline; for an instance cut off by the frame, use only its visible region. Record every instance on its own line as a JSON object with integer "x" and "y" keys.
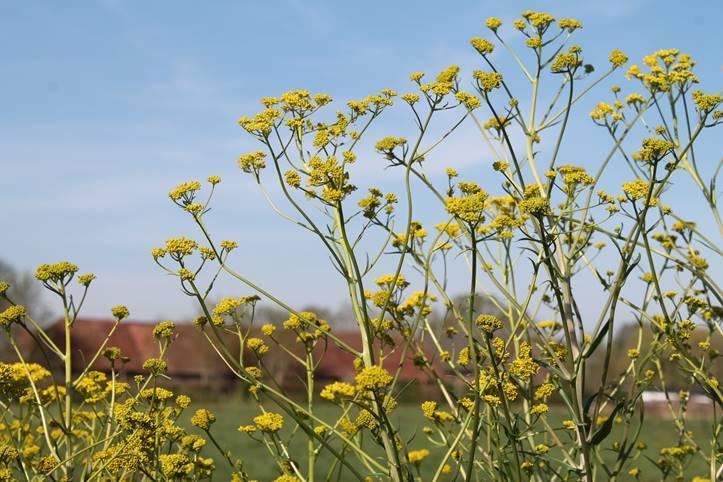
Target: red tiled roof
{"x": 191, "y": 355}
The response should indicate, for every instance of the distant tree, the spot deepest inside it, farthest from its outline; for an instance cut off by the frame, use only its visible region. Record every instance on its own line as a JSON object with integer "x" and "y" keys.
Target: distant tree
{"x": 26, "y": 291}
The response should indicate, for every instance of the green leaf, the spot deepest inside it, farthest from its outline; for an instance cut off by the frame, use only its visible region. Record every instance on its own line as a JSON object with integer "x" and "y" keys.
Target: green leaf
{"x": 598, "y": 339}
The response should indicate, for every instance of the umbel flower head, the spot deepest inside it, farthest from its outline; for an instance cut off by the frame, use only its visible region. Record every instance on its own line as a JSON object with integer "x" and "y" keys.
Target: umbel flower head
{"x": 12, "y": 314}
{"x": 269, "y": 422}
{"x": 56, "y": 273}
{"x": 487, "y": 81}
{"x": 653, "y": 150}
{"x": 374, "y": 377}
{"x": 469, "y": 207}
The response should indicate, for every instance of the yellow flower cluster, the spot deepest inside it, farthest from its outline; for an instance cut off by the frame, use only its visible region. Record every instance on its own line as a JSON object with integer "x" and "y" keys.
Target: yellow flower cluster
{"x": 653, "y": 150}
{"x": 12, "y": 314}
{"x": 374, "y": 377}
{"x": 57, "y": 272}
{"x": 120, "y": 312}
{"x": 482, "y": 46}
{"x": 569, "y": 24}
{"x": 538, "y": 20}
{"x": 566, "y": 62}
{"x": 487, "y": 81}
{"x": 388, "y": 144}
{"x": 617, "y": 58}
{"x": 470, "y": 207}
{"x": 493, "y": 23}
{"x": 174, "y": 466}
{"x": 203, "y": 419}
{"x": 185, "y": 191}
{"x": 637, "y": 189}
{"x": 429, "y": 409}
{"x": 252, "y": 162}
{"x": 523, "y": 366}
{"x": 416, "y": 456}
{"x": 667, "y": 68}
{"x": 257, "y": 345}
{"x": 262, "y": 123}
{"x": 341, "y": 389}
{"x": 180, "y": 247}
{"x": 269, "y": 422}
{"x": 488, "y": 323}
{"x": 706, "y": 102}
{"x": 468, "y": 100}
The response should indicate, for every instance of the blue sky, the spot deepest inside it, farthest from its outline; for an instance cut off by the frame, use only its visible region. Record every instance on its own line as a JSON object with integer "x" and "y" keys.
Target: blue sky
{"x": 107, "y": 105}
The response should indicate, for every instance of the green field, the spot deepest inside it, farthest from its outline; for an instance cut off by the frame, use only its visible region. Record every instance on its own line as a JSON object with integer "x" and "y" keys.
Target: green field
{"x": 260, "y": 465}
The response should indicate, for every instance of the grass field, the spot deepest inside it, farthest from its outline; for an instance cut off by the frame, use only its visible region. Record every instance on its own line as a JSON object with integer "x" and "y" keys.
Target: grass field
{"x": 260, "y": 465}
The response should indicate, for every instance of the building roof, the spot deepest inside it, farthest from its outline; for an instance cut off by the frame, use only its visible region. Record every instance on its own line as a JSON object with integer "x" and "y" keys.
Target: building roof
{"x": 190, "y": 355}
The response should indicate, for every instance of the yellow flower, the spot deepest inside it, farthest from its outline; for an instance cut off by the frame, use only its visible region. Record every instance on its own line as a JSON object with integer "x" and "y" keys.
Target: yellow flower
{"x": 179, "y": 247}
{"x": 252, "y": 162}
{"x": 157, "y": 393}
{"x": 203, "y": 419}
{"x": 539, "y": 409}
{"x": 493, "y": 23}
{"x": 268, "y": 329}
{"x": 416, "y": 456}
{"x": 566, "y": 62}
{"x": 539, "y": 20}
{"x": 120, "y": 312}
{"x": 287, "y": 478}
{"x": 262, "y": 123}
{"x": 569, "y": 23}
{"x": 469, "y": 208}
{"x": 374, "y": 377}
{"x": 653, "y": 150}
{"x": 411, "y": 99}
{"x": 487, "y": 81}
{"x": 449, "y": 74}
{"x": 544, "y": 391}
{"x": 164, "y": 329}
{"x": 488, "y": 323}
{"x": 637, "y": 189}
{"x": 482, "y": 46}
{"x": 269, "y": 422}
{"x": 185, "y": 191}
{"x": 228, "y": 245}
{"x": 706, "y": 102}
{"x": 257, "y": 345}
{"x": 428, "y": 409}
{"x": 175, "y": 465}
{"x": 155, "y": 365}
{"x": 293, "y": 178}
{"x": 86, "y": 279}
{"x": 536, "y": 206}
{"x": 247, "y": 428}
{"x": 617, "y": 58}
{"x": 12, "y": 314}
{"x": 468, "y": 100}
{"x": 388, "y": 144}
{"x": 542, "y": 448}
{"x": 524, "y": 366}
{"x": 341, "y": 389}
{"x": 57, "y": 272}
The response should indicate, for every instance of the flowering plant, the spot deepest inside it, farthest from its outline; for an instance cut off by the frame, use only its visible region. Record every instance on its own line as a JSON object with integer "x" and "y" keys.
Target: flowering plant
{"x": 530, "y": 239}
